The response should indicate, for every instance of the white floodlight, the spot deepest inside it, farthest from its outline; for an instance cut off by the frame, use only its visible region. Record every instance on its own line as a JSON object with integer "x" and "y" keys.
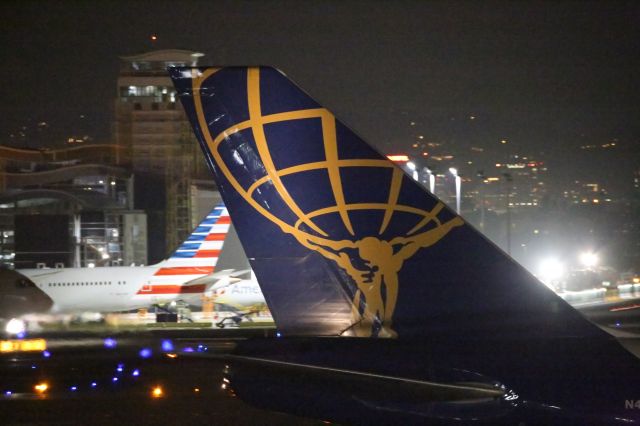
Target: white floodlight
{"x": 589, "y": 259}
{"x": 458, "y": 182}
{"x": 15, "y": 326}
{"x": 551, "y": 269}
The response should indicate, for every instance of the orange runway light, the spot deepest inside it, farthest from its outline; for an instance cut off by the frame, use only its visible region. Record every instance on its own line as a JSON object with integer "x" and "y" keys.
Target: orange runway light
{"x": 399, "y": 158}
{"x": 157, "y": 392}
{"x": 25, "y": 345}
{"x": 41, "y": 387}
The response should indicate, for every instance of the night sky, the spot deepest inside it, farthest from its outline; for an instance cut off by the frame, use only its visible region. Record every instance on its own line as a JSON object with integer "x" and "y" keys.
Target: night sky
{"x": 547, "y": 76}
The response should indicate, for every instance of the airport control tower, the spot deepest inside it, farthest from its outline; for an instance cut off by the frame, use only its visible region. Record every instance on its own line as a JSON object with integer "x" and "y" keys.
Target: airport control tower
{"x": 172, "y": 183}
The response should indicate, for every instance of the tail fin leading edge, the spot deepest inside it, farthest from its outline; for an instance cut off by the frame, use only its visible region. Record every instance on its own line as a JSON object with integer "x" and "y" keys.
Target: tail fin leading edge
{"x": 341, "y": 240}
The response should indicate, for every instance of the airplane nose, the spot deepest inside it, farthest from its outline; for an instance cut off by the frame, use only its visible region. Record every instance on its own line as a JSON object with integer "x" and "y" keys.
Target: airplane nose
{"x": 20, "y": 296}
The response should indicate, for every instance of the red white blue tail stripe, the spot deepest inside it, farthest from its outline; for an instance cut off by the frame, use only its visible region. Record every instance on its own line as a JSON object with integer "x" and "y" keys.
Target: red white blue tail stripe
{"x": 194, "y": 258}
{"x": 205, "y": 242}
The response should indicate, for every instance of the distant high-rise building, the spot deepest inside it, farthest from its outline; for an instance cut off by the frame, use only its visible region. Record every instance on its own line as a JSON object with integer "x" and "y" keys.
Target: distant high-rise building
{"x": 580, "y": 192}
{"x": 525, "y": 182}
{"x": 149, "y": 119}
{"x": 166, "y": 162}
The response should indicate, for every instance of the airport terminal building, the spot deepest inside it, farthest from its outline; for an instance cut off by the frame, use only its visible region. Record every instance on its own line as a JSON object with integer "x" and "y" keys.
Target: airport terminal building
{"x": 128, "y": 201}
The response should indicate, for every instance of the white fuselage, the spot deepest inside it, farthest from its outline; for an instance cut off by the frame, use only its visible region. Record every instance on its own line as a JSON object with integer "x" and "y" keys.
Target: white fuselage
{"x": 240, "y": 295}
{"x": 124, "y": 288}
{"x": 111, "y": 289}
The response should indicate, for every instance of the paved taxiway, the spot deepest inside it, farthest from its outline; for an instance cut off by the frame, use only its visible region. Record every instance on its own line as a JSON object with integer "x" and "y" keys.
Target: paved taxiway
{"x": 102, "y": 378}
{"x": 111, "y": 380}
{"x": 621, "y": 319}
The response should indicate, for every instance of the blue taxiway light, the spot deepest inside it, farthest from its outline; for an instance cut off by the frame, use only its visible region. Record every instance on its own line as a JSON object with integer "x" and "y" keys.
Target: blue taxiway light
{"x": 167, "y": 345}
{"x": 145, "y": 353}
{"x": 110, "y": 343}
{"x": 46, "y": 354}
{"x": 135, "y": 373}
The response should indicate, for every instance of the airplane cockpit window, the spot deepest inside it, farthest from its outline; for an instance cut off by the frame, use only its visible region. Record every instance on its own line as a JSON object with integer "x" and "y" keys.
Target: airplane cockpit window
{"x": 23, "y": 283}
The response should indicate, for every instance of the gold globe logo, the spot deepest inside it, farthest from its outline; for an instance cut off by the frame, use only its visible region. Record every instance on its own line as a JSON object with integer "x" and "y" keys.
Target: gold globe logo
{"x": 370, "y": 261}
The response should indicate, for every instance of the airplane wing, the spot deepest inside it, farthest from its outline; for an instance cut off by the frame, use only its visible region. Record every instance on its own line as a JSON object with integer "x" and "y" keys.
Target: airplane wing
{"x": 344, "y": 243}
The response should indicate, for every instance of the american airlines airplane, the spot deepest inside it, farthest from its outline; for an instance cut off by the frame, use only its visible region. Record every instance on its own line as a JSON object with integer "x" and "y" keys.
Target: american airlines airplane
{"x": 390, "y": 305}
{"x": 237, "y": 294}
{"x": 235, "y": 287}
{"x": 183, "y": 276}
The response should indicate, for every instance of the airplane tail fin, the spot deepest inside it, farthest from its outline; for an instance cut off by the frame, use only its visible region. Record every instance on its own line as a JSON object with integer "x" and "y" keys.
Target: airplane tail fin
{"x": 342, "y": 241}
{"x": 199, "y": 253}
{"x": 233, "y": 256}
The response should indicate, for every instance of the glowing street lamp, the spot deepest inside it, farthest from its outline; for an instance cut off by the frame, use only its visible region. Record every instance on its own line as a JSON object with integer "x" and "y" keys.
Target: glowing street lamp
{"x": 454, "y": 172}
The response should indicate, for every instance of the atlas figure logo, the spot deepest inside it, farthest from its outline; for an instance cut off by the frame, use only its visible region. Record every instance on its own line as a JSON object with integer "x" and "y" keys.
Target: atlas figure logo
{"x": 371, "y": 258}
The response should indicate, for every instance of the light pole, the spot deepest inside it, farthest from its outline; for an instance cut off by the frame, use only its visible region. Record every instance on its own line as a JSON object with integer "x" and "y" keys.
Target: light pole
{"x": 508, "y": 178}
{"x": 412, "y": 168}
{"x": 482, "y": 200}
{"x": 454, "y": 172}
{"x": 432, "y": 180}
